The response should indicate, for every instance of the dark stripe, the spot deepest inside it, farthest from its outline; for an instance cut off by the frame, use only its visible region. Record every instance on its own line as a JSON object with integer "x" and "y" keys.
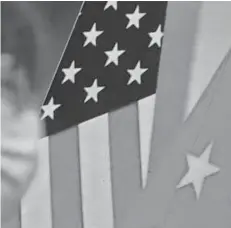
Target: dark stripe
{"x": 65, "y": 180}
{"x": 125, "y": 159}
{"x": 14, "y": 222}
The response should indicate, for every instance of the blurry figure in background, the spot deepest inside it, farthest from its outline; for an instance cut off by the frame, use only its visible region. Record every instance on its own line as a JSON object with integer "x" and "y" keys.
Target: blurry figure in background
{"x": 20, "y": 124}
{"x": 33, "y": 35}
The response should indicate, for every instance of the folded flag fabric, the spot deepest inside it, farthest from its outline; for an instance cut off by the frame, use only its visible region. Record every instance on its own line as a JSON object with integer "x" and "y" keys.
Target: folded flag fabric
{"x": 96, "y": 166}
{"x": 189, "y": 182}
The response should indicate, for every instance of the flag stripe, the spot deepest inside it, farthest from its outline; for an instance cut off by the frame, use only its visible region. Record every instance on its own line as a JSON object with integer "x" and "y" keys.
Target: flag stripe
{"x": 95, "y": 173}
{"x": 14, "y": 222}
{"x": 146, "y": 109}
{"x": 125, "y": 159}
{"x": 175, "y": 71}
{"x": 36, "y": 205}
{"x": 65, "y": 179}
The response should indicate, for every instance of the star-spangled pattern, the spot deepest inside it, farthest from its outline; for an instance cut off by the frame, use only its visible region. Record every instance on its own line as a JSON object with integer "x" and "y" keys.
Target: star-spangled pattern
{"x": 134, "y": 18}
{"x": 113, "y": 55}
{"x": 118, "y": 70}
{"x": 110, "y": 44}
{"x": 112, "y": 4}
{"x": 70, "y": 72}
{"x": 92, "y": 91}
{"x": 136, "y": 74}
{"x": 156, "y": 37}
{"x": 92, "y": 35}
{"x": 49, "y": 109}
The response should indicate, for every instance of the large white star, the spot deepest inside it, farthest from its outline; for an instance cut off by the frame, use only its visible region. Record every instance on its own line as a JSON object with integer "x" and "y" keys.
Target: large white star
{"x": 92, "y": 91}
{"x": 49, "y": 109}
{"x": 112, "y": 4}
{"x": 199, "y": 169}
{"x": 91, "y": 35}
{"x": 134, "y": 18}
{"x": 136, "y": 73}
{"x": 156, "y": 37}
{"x": 113, "y": 55}
{"x": 70, "y": 72}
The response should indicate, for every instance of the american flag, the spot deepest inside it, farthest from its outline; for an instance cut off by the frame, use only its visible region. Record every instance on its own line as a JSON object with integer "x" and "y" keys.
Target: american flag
{"x": 111, "y": 59}
{"x": 99, "y": 114}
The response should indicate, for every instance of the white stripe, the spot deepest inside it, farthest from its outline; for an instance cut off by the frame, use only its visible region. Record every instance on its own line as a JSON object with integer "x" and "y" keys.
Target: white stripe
{"x": 213, "y": 42}
{"x": 95, "y": 173}
{"x": 146, "y": 108}
{"x": 36, "y": 205}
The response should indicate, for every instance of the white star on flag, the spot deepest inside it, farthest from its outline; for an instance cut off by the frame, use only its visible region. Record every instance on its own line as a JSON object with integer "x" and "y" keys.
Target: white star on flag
{"x": 156, "y": 37}
{"x": 112, "y": 4}
{"x": 113, "y": 55}
{"x": 136, "y": 73}
{"x": 134, "y": 18}
{"x": 92, "y": 91}
{"x": 199, "y": 169}
{"x": 70, "y": 72}
{"x": 91, "y": 35}
{"x": 49, "y": 109}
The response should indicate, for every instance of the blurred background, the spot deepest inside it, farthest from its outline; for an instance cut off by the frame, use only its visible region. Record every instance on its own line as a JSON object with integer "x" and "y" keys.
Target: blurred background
{"x": 36, "y": 34}
{"x": 47, "y": 25}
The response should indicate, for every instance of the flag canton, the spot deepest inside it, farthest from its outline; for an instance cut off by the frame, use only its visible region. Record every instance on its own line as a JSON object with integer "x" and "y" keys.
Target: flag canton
{"x": 111, "y": 59}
